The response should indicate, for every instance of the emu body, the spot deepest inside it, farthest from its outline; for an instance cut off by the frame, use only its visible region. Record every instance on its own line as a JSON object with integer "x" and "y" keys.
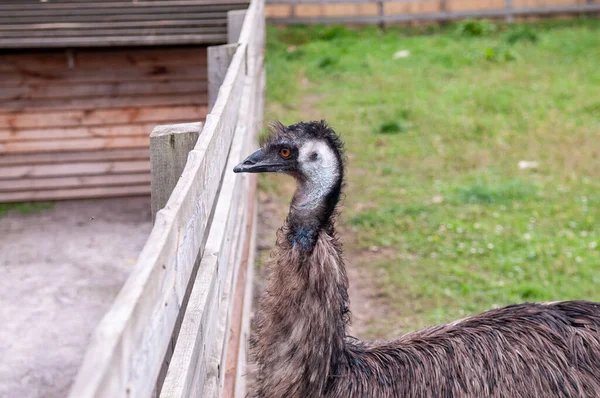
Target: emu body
{"x": 301, "y": 347}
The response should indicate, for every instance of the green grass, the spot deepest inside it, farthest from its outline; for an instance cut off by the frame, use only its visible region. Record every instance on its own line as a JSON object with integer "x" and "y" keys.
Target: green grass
{"x": 434, "y": 142}
{"x": 25, "y": 207}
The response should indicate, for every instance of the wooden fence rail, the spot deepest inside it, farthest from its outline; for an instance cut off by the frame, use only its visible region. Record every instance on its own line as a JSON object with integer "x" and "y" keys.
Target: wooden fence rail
{"x": 179, "y": 326}
{"x": 403, "y": 11}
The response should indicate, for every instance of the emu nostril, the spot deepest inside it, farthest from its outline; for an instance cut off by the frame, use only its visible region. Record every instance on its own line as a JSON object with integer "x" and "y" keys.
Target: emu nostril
{"x": 249, "y": 162}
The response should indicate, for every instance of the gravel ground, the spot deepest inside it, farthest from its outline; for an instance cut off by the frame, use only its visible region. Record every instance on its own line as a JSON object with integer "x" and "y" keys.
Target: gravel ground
{"x": 61, "y": 270}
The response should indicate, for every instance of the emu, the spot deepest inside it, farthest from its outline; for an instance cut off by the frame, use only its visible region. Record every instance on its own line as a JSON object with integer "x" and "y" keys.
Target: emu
{"x": 302, "y": 349}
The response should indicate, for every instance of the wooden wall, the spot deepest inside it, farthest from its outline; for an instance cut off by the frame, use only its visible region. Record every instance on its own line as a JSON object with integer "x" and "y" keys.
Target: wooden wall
{"x": 76, "y": 124}
{"x": 278, "y": 11}
{"x": 105, "y": 23}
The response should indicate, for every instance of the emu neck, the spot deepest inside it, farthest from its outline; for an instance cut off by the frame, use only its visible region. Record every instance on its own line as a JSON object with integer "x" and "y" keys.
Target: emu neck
{"x": 312, "y": 211}
{"x": 302, "y": 320}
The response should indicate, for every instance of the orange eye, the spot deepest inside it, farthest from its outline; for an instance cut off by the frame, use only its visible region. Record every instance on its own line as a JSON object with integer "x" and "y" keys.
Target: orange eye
{"x": 285, "y": 153}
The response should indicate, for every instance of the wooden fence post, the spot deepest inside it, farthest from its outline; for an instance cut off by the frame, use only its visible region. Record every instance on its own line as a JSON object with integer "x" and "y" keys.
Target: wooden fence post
{"x": 381, "y": 14}
{"x": 508, "y": 6}
{"x": 169, "y": 148}
{"x": 219, "y": 58}
{"x": 235, "y": 20}
{"x": 444, "y": 10}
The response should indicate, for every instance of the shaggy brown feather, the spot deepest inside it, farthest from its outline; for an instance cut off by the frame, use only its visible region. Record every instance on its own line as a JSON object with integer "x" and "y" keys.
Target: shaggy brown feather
{"x": 302, "y": 351}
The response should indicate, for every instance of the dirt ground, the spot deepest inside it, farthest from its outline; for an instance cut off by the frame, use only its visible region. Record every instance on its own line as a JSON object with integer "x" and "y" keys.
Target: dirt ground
{"x": 61, "y": 270}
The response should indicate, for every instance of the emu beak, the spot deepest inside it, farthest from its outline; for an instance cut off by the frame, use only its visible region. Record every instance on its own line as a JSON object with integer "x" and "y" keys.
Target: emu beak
{"x": 258, "y": 162}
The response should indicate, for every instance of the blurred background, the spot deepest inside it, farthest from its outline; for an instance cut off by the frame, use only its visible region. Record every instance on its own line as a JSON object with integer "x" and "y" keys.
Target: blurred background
{"x": 473, "y": 157}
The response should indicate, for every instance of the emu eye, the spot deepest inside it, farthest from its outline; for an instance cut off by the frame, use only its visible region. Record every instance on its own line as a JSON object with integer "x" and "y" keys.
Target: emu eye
{"x": 285, "y": 153}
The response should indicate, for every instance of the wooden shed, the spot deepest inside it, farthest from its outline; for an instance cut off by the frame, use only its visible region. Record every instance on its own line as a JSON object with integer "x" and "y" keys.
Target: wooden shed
{"x": 83, "y": 82}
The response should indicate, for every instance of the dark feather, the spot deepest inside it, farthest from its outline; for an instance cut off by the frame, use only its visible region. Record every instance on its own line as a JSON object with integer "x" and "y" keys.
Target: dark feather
{"x": 302, "y": 350}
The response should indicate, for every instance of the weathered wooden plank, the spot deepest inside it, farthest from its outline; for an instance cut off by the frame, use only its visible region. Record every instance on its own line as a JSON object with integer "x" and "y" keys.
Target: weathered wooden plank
{"x": 508, "y": 6}
{"x": 82, "y": 144}
{"x": 75, "y": 169}
{"x": 92, "y": 41}
{"x": 65, "y": 76}
{"x": 232, "y": 350}
{"x": 169, "y": 149}
{"x": 73, "y": 157}
{"x": 219, "y": 58}
{"x": 215, "y": 366}
{"x": 214, "y": 372}
{"x": 79, "y": 6}
{"x": 99, "y": 117}
{"x": 166, "y": 16}
{"x": 53, "y": 183}
{"x": 233, "y": 361}
{"x": 109, "y": 89}
{"x": 127, "y": 348}
{"x": 248, "y": 267}
{"x": 227, "y": 321}
{"x": 195, "y": 98}
{"x": 53, "y": 133}
{"x": 165, "y": 11}
{"x": 83, "y": 31}
{"x": 99, "y": 59}
{"x": 235, "y": 21}
{"x": 221, "y": 21}
{"x": 454, "y": 15}
{"x": 199, "y": 323}
{"x": 75, "y": 193}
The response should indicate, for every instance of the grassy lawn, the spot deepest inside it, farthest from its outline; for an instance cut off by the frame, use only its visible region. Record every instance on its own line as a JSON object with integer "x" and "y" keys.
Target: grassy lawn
{"x": 25, "y": 207}
{"x": 434, "y": 141}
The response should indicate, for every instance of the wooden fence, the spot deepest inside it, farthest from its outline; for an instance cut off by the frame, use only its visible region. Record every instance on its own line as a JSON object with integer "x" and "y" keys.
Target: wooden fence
{"x": 180, "y": 324}
{"x": 404, "y": 11}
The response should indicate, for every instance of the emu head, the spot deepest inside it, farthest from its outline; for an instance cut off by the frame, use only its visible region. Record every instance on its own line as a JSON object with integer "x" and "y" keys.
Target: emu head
{"x": 310, "y": 152}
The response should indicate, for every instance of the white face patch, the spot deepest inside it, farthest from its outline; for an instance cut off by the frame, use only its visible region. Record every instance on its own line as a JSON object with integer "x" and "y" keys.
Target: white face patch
{"x": 320, "y": 165}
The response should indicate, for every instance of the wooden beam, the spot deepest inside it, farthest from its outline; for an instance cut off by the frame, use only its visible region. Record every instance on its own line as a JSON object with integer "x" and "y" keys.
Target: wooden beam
{"x": 221, "y": 21}
{"x": 111, "y": 5}
{"x": 238, "y": 337}
{"x": 243, "y": 349}
{"x": 75, "y": 193}
{"x": 219, "y": 58}
{"x": 99, "y": 117}
{"x": 169, "y": 149}
{"x": 235, "y": 20}
{"x": 508, "y": 6}
{"x": 74, "y": 169}
{"x": 58, "y": 104}
{"x": 190, "y": 362}
{"x": 196, "y": 18}
{"x": 54, "y": 183}
{"x": 63, "y": 76}
{"x": 28, "y": 159}
{"x": 81, "y": 144}
{"x": 91, "y": 41}
{"x": 102, "y": 89}
{"x": 66, "y": 133}
{"x": 436, "y": 16}
{"x": 99, "y": 59}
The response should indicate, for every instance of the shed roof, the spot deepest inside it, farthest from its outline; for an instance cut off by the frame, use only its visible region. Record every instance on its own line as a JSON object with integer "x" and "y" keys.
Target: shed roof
{"x": 102, "y": 23}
